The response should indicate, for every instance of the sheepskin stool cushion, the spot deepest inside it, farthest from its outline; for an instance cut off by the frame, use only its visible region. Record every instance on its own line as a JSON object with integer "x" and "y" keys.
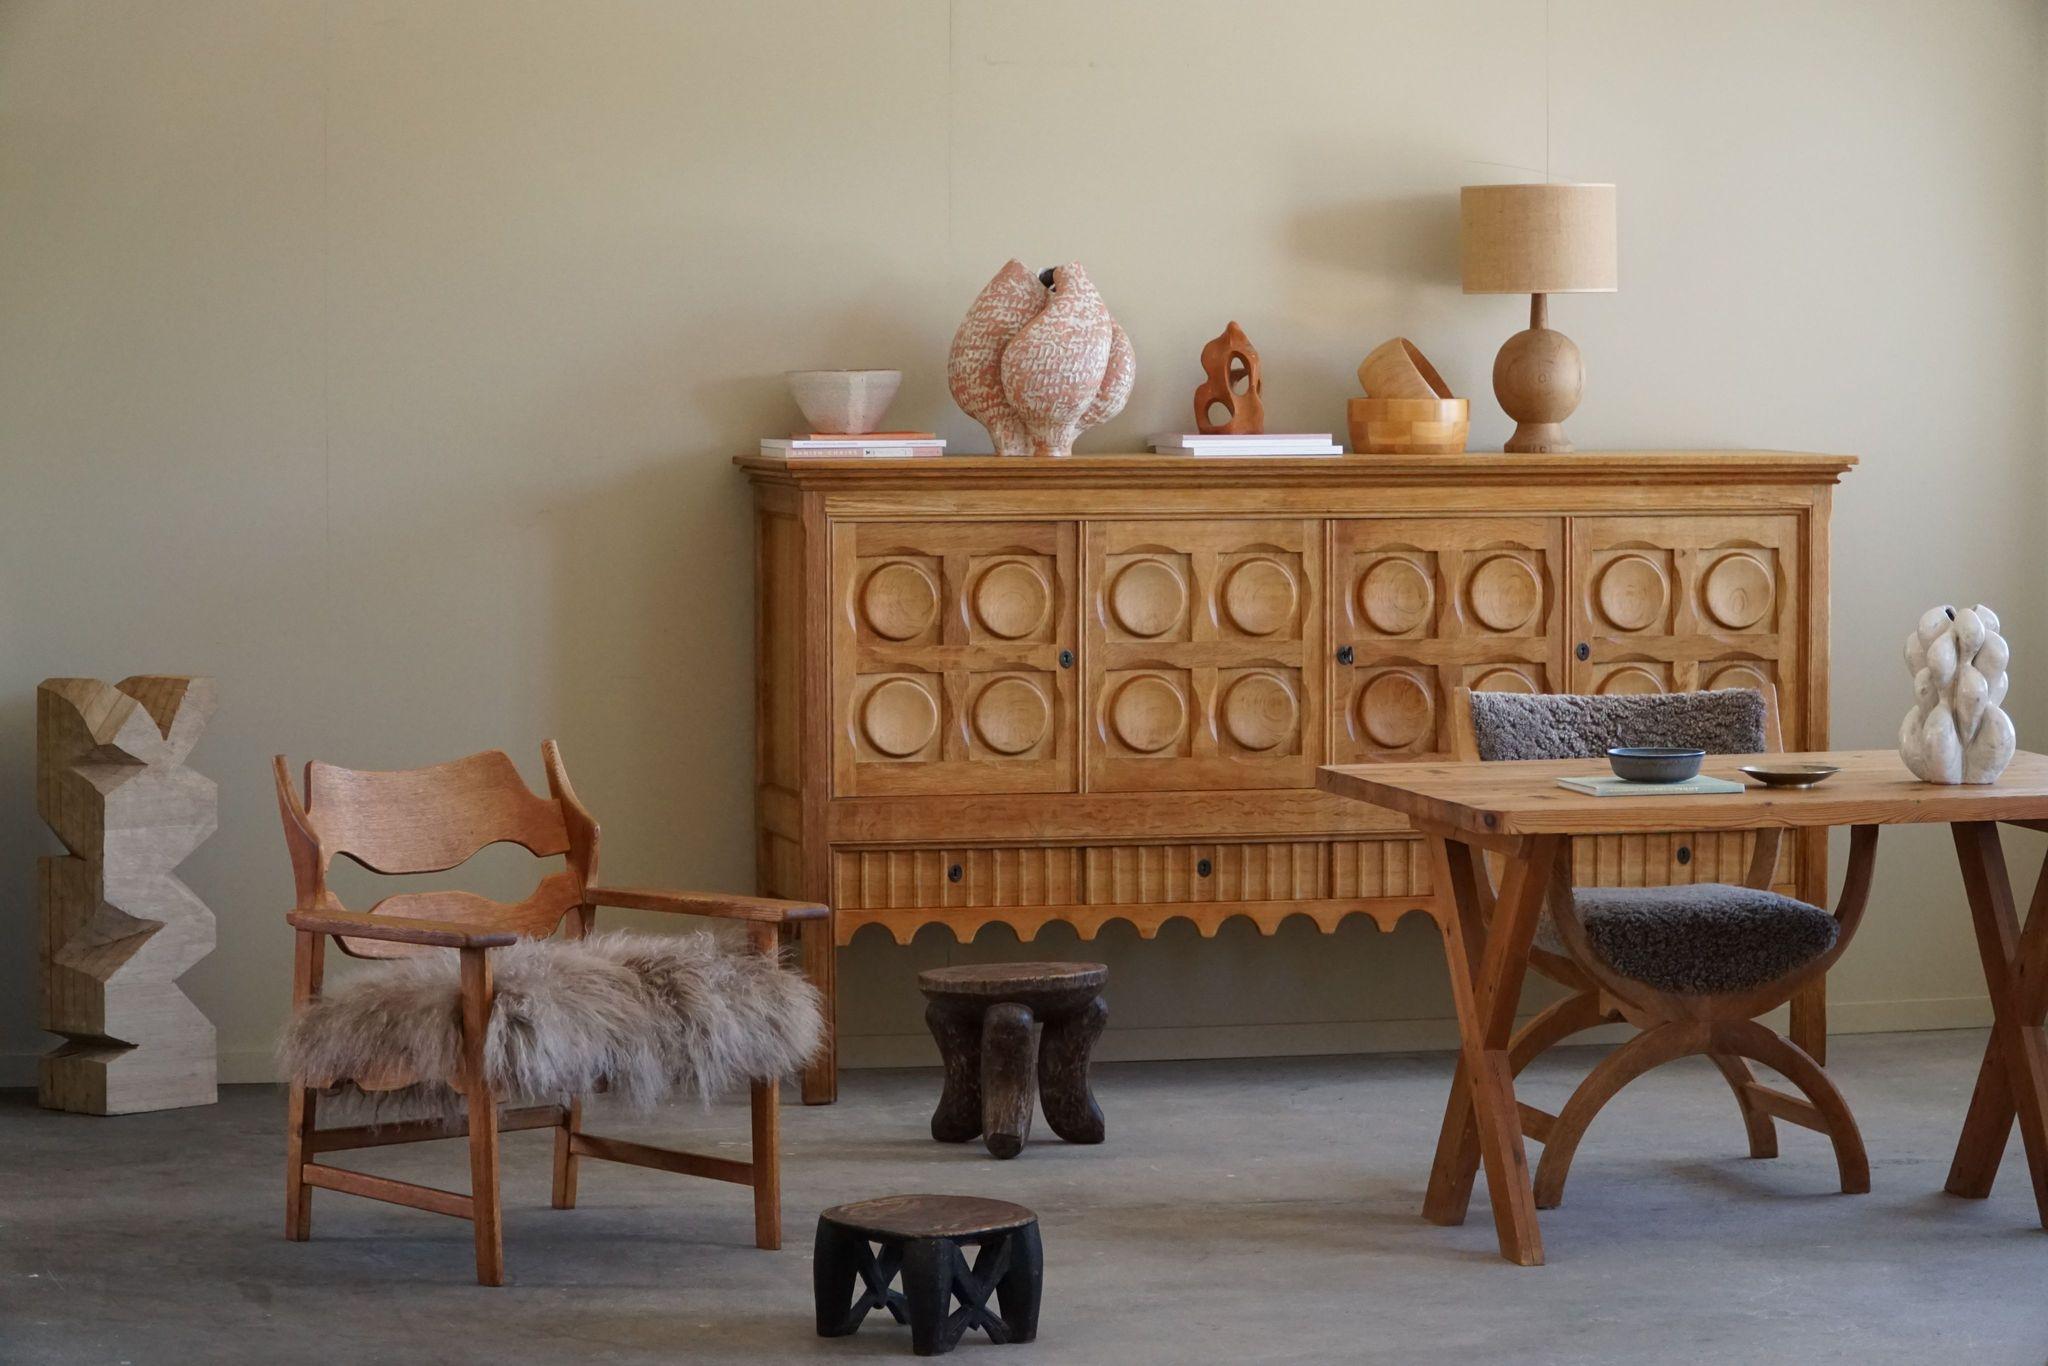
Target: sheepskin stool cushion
{"x": 643, "y": 1017}
{"x": 1697, "y": 939}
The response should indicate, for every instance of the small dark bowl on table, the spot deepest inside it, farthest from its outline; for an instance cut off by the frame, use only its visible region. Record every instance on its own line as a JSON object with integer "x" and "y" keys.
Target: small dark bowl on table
{"x": 1654, "y": 763}
{"x": 1789, "y": 775}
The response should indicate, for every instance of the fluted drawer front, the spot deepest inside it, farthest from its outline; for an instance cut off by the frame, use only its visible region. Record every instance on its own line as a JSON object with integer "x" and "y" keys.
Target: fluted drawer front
{"x": 1137, "y": 874}
{"x": 878, "y": 879}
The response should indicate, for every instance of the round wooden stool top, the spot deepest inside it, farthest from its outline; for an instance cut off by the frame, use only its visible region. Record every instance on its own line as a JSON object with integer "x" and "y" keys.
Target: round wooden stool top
{"x": 1042, "y": 986}
{"x": 929, "y": 1216}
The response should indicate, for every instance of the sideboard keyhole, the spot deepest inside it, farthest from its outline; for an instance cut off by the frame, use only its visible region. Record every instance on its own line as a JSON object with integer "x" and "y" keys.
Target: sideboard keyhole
{"x": 1066, "y": 659}
{"x": 1345, "y": 654}
{"x": 1202, "y": 868}
{"x": 955, "y": 873}
{"x": 1584, "y": 651}
{"x": 1684, "y": 855}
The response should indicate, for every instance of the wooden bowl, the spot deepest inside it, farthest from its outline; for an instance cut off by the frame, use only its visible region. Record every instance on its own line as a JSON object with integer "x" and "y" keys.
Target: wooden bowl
{"x": 1409, "y": 426}
{"x": 1395, "y": 369}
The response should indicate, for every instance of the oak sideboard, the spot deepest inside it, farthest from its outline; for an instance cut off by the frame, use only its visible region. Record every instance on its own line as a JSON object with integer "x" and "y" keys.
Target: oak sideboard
{"x": 1095, "y": 689}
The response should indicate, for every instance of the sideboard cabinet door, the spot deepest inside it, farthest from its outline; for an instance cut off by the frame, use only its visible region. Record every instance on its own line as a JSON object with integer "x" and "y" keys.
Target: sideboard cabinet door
{"x": 1204, "y": 644}
{"x": 953, "y": 660}
{"x": 1426, "y": 605}
{"x": 1678, "y": 603}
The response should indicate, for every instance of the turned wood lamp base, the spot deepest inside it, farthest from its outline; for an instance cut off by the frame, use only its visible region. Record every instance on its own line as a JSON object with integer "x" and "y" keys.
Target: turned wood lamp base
{"x": 1012, "y": 1034}
{"x": 1538, "y": 378}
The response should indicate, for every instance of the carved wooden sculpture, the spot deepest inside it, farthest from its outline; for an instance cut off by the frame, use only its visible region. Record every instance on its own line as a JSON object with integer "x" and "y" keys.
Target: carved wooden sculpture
{"x": 119, "y": 928}
{"x": 1231, "y": 368}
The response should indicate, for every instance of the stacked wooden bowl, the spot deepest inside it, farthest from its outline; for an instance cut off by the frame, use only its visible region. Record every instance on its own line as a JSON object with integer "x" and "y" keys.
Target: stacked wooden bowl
{"x": 1408, "y": 409}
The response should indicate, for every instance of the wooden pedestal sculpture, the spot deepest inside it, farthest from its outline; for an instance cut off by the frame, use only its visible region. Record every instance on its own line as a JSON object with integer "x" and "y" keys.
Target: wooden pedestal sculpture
{"x": 119, "y": 928}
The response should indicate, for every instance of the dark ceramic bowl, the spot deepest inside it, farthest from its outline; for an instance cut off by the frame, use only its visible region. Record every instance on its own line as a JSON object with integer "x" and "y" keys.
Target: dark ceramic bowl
{"x": 1654, "y": 764}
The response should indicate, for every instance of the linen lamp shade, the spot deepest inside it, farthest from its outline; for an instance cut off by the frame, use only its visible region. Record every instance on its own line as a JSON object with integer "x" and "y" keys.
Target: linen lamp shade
{"x": 1538, "y": 239}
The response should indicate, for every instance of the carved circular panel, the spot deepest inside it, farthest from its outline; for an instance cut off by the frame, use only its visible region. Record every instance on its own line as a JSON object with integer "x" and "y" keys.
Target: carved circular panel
{"x": 1395, "y": 596}
{"x": 1147, "y": 714}
{"x": 899, "y": 601}
{"x": 1258, "y": 711}
{"x": 1737, "y": 591}
{"x": 1147, "y": 598}
{"x": 1632, "y": 593}
{"x": 1395, "y": 711}
{"x": 1737, "y": 676}
{"x": 1503, "y": 593}
{"x": 899, "y": 717}
{"x": 1503, "y": 680}
{"x": 1259, "y": 597}
{"x": 1011, "y": 715}
{"x": 1011, "y": 599}
{"x": 1629, "y": 680}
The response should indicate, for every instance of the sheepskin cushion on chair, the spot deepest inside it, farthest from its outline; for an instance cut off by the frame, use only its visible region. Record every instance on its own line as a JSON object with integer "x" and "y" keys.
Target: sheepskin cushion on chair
{"x": 1698, "y": 938}
{"x": 643, "y": 1017}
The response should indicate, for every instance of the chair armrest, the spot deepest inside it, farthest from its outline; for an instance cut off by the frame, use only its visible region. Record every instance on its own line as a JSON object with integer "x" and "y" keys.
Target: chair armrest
{"x": 438, "y": 934}
{"x": 762, "y": 909}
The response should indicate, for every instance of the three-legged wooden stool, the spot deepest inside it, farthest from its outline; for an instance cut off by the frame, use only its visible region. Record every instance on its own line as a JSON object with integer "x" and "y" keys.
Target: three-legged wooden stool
{"x": 988, "y": 1020}
{"x": 922, "y": 1237}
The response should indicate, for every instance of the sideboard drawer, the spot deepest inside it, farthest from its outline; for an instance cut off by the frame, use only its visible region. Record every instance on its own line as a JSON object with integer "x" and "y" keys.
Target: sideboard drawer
{"x": 1671, "y": 859}
{"x": 1153, "y": 874}
{"x": 894, "y": 879}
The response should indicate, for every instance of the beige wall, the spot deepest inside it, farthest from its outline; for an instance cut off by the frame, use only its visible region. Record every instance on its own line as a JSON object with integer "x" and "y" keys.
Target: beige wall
{"x": 384, "y": 361}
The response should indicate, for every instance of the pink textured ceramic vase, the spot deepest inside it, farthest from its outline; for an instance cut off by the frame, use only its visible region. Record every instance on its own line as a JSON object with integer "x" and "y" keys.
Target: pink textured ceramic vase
{"x": 1038, "y": 360}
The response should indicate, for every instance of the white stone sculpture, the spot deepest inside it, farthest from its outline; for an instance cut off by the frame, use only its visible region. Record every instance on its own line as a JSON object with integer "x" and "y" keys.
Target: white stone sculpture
{"x": 1038, "y": 359}
{"x": 1956, "y": 732}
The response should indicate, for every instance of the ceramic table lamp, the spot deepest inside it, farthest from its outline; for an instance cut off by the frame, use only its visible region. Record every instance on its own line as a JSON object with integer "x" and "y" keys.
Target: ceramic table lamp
{"x": 1538, "y": 240}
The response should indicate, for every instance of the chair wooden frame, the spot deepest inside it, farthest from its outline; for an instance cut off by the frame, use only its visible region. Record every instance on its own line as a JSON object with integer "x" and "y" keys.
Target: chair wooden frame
{"x": 430, "y": 820}
{"x": 1723, "y": 1026}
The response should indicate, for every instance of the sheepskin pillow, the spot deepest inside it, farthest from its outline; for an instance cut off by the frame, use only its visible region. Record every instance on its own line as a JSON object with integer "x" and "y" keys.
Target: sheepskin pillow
{"x": 643, "y": 1017}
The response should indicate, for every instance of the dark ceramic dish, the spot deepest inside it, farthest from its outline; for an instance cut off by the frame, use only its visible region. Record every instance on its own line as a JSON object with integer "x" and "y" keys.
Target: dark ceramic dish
{"x": 1789, "y": 775}
{"x": 1653, "y": 764}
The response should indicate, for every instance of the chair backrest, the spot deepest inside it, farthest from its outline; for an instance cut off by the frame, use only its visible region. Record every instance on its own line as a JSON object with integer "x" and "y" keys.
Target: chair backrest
{"x": 1498, "y": 725}
{"x": 427, "y": 820}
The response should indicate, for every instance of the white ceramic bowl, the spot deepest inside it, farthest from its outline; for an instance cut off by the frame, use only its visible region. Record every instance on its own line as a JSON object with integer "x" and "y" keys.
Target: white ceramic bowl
{"x": 849, "y": 401}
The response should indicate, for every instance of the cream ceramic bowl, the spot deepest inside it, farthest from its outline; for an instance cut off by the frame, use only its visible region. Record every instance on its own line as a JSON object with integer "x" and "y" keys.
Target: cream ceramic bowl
{"x": 849, "y": 401}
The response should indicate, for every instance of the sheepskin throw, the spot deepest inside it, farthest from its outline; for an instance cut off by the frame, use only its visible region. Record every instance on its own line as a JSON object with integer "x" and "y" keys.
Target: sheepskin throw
{"x": 643, "y": 1017}
{"x": 1571, "y": 726}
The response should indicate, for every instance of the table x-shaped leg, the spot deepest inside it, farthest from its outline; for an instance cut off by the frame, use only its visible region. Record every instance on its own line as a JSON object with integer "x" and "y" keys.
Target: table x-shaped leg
{"x": 1487, "y": 963}
{"x": 2013, "y": 1080}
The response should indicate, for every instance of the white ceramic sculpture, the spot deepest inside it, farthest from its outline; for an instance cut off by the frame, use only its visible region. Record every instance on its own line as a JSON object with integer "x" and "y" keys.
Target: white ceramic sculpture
{"x": 1039, "y": 359}
{"x": 1956, "y": 732}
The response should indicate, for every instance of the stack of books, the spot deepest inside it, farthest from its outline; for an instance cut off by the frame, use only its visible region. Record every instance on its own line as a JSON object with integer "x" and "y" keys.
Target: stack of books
{"x": 864, "y": 446}
{"x": 1225, "y": 443}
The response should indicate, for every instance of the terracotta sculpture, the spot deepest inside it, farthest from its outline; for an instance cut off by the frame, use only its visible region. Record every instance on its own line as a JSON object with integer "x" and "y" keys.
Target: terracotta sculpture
{"x": 1956, "y": 732}
{"x": 1038, "y": 359}
{"x": 1232, "y": 383}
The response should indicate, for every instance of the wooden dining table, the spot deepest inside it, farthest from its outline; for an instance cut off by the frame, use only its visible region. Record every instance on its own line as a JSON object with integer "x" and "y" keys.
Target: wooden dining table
{"x": 1517, "y": 811}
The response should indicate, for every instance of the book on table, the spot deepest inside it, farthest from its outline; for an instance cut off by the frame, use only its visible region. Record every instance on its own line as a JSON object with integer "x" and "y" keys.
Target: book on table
{"x": 1601, "y": 785}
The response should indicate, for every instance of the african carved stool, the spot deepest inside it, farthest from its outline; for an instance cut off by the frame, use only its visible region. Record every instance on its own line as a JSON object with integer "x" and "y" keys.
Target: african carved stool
{"x": 999, "y": 1027}
{"x": 922, "y": 1237}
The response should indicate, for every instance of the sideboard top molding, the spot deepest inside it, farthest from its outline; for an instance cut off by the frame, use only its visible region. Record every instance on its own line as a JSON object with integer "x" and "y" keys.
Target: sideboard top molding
{"x": 1467, "y": 470}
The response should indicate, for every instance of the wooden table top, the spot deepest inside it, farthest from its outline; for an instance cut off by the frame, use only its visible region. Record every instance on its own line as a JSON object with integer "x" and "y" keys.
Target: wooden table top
{"x": 1521, "y": 797}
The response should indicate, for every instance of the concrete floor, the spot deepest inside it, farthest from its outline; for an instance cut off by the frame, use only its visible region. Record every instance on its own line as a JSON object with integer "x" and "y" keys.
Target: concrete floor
{"x": 1241, "y": 1211}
